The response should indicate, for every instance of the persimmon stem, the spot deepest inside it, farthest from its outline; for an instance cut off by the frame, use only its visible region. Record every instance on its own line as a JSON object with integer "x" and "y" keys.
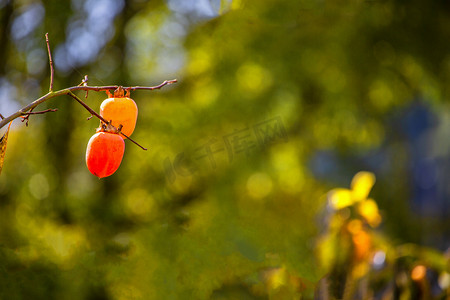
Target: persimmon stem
{"x": 50, "y": 60}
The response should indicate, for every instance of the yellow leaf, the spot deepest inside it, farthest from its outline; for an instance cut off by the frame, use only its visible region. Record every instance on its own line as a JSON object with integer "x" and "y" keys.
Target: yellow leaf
{"x": 276, "y": 277}
{"x": 361, "y": 185}
{"x": 369, "y": 210}
{"x": 3, "y": 141}
{"x": 340, "y": 198}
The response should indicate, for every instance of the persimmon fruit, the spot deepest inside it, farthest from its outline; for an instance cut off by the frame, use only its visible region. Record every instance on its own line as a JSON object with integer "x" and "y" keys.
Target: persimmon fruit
{"x": 104, "y": 153}
{"x": 120, "y": 111}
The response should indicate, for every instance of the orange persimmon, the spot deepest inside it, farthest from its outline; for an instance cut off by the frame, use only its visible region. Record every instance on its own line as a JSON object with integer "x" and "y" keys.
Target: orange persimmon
{"x": 104, "y": 153}
{"x": 121, "y": 111}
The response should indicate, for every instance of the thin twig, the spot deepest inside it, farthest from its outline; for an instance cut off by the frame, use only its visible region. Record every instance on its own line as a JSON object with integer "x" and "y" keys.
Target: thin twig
{"x": 90, "y": 110}
{"x": 52, "y": 71}
{"x": 166, "y": 82}
{"x": 40, "y": 112}
{"x": 26, "y": 116}
{"x": 84, "y": 83}
{"x": 133, "y": 141}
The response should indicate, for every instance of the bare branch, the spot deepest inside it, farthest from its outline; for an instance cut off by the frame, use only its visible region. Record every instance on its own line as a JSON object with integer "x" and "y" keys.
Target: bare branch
{"x": 52, "y": 71}
{"x": 114, "y": 87}
{"x": 69, "y": 91}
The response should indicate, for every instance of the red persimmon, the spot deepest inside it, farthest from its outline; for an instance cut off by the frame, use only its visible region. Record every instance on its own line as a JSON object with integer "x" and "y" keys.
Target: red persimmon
{"x": 104, "y": 153}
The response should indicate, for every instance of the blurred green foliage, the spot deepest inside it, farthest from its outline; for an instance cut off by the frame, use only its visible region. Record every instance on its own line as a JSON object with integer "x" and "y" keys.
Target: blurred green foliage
{"x": 226, "y": 203}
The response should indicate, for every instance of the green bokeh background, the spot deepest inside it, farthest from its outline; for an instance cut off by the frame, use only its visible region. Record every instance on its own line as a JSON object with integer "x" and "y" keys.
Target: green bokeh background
{"x": 337, "y": 77}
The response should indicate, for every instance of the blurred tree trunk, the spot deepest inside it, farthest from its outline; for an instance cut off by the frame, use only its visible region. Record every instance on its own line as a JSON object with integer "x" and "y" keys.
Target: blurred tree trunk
{"x": 5, "y": 20}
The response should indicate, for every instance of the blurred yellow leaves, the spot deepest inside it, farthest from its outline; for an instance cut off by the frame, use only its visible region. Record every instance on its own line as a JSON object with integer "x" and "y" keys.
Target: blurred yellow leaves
{"x": 259, "y": 185}
{"x": 276, "y": 277}
{"x": 361, "y": 185}
{"x": 340, "y": 198}
{"x": 50, "y": 240}
{"x": 369, "y": 210}
{"x": 205, "y": 93}
{"x": 200, "y": 61}
{"x": 352, "y": 247}
{"x": 381, "y": 95}
{"x": 139, "y": 204}
{"x": 236, "y": 4}
{"x": 349, "y": 243}
{"x": 291, "y": 173}
{"x": 39, "y": 186}
{"x": 253, "y": 78}
{"x": 280, "y": 283}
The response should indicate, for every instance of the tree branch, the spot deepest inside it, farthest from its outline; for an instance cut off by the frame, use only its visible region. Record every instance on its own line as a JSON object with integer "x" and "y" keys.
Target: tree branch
{"x": 66, "y": 91}
{"x": 114, "y": 87}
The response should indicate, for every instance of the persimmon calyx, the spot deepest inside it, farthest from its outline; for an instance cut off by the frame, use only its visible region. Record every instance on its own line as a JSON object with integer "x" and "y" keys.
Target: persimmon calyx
{"x": 120, "y": 92}
{"x": 109, "y": 128}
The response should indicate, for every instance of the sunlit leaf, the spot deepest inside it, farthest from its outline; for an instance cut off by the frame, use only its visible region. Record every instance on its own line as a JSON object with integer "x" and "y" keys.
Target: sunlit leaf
{"x": 369, "y": 210}
{"x": 276, "y": 277}
{"x": 3, "y": 141}
{"x": 361, "y": 185}
{"x": 340, "y": 198}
